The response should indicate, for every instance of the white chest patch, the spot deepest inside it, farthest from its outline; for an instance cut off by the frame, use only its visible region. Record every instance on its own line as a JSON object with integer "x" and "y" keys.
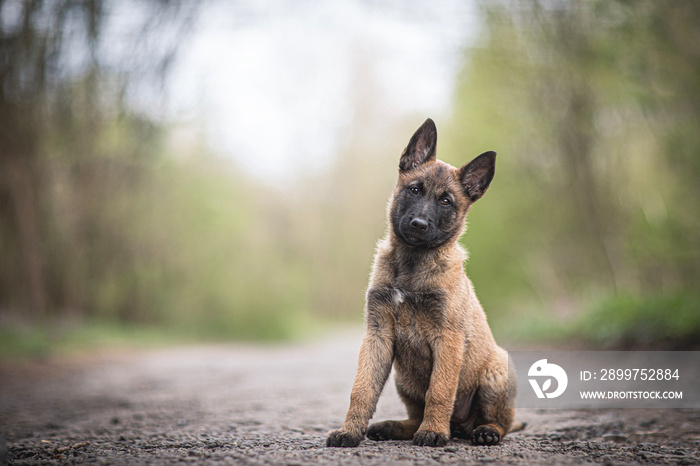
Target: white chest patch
{"x": 398, "y": 297}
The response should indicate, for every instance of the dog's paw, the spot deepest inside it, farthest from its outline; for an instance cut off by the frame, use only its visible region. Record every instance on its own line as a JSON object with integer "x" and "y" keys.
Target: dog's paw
{"x": 485, "y": 435}
{"x": 428, "y": 438}
{"x": 344, "y": 438}
{"x": 382, "y": 431}
{"x": 391, "y": 430}
{"x": 457, "y": 431}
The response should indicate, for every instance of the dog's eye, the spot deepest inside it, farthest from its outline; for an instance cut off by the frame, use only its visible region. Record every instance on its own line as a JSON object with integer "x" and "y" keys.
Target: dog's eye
{"x": 414, "y": 190}
{"x": 445, "y": 201}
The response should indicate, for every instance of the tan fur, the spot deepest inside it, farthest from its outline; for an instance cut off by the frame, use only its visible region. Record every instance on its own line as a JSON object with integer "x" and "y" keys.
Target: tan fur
{"x": 422, "y": 315}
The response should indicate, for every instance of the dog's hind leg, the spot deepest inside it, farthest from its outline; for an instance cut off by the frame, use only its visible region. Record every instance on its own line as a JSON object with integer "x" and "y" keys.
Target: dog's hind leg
{"x": 494, "y": 403}
{"x": 399, "y": 430}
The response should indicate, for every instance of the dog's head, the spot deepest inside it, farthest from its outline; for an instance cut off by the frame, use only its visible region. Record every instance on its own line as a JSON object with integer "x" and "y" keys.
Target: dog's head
{"x": 432, "y": 198}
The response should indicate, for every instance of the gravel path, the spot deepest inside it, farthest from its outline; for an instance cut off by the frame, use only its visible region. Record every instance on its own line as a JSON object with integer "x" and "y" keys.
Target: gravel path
{"x": 274, "y": 405}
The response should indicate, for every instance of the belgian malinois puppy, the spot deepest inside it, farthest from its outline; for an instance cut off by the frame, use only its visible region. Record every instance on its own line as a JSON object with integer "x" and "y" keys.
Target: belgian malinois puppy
{"x": 422, "y": 314}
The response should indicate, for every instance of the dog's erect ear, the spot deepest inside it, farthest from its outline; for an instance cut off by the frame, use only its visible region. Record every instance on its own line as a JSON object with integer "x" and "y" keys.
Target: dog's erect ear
{"x": 476, "y": 176}
{"x": 421, "y": 147}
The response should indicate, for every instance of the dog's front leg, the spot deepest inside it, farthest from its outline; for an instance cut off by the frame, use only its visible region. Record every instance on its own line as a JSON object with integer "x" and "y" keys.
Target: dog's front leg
{"x": 448, "y": 353}
{"x": 373, "y": 367}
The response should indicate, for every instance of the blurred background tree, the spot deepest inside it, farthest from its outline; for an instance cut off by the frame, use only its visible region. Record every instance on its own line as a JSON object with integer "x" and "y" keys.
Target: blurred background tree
{"x": 75, "y": 157}
{"x": 113, "y": 212}
{"x": 595, "y": 107}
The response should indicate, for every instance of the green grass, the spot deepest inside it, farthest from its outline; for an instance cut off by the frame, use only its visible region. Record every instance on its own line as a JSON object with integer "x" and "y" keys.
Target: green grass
{"x": 618, "y": 322}
{"x": 665, "y": 321}
{"x": 64, "y": 338}
{"x": 61, "y": 338}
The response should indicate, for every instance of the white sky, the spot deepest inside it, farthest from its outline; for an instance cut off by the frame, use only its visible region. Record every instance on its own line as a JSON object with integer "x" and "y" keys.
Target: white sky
{"x": 274, "y": 79}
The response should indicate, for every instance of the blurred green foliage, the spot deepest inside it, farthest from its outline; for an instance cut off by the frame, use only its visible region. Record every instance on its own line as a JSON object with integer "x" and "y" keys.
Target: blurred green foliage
{"x": 116, "y": 222}
{"x": 64, "y": 338}
{"x": 639, "y": 322}
{"x": 631, "y": 322}
{"x": 594, "y": 109}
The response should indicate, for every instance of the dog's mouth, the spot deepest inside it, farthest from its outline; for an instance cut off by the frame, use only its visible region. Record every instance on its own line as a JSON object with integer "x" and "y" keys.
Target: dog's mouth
{"x": 430, "y": 239}
{"x": 413, "y": 240}
{"x": 417, "y": 235}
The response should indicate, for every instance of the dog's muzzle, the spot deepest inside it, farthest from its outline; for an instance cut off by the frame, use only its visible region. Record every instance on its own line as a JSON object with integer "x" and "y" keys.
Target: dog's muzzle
{"x": 417, "y": 231}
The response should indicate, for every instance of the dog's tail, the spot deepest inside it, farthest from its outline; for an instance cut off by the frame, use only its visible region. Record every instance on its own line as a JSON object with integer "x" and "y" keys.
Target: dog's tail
{"x": 517, "y": 426}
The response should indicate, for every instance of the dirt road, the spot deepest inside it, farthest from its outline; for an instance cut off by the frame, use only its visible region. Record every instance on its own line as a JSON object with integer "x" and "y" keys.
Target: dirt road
{"x": 274, "y": 405}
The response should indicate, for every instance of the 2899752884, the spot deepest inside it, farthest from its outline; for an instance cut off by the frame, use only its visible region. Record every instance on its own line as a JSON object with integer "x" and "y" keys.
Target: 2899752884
{"x": 631, "y": 374}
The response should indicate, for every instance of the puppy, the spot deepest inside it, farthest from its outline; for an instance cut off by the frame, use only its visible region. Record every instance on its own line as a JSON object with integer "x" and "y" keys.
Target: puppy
{"x": 423, "y": 317}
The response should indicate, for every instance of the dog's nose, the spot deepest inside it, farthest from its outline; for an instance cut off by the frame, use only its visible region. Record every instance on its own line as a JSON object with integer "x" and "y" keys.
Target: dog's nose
{"x": 419, "y": 224}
